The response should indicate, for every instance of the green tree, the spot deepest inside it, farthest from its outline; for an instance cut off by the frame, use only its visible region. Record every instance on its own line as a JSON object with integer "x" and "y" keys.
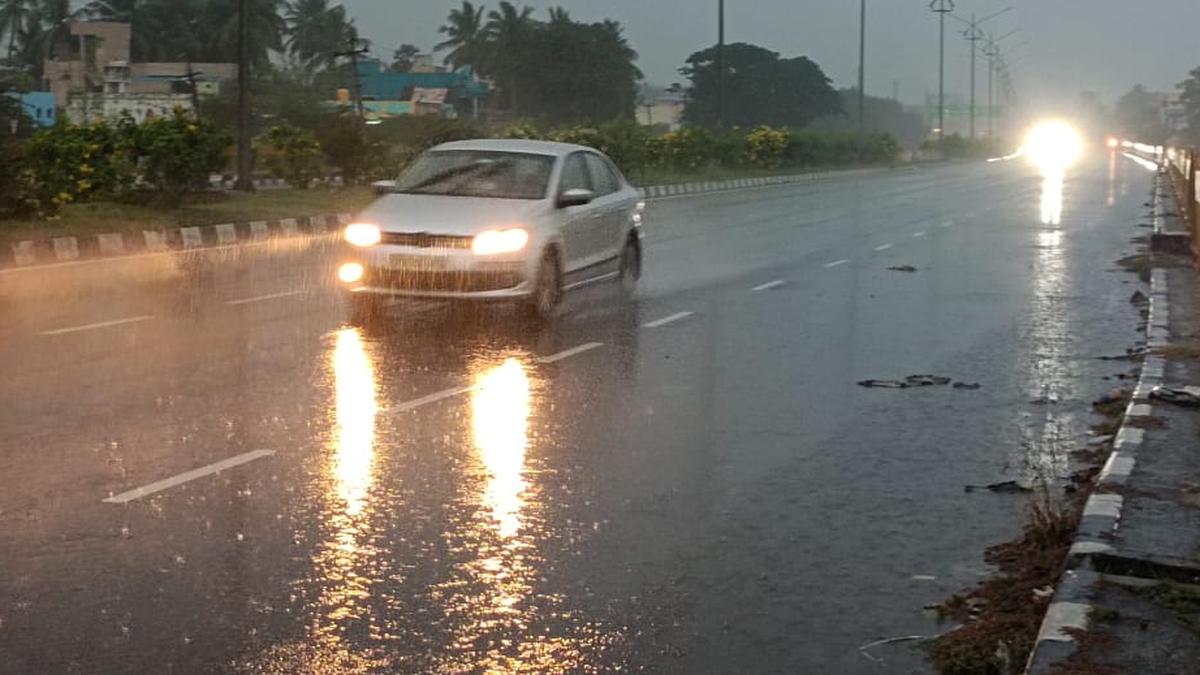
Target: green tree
{"x": 294, "y": 154}
{"x": 46, "y": 28}
{"x": 1139, "y": 115}
{"x": 315, "y": 31}
{"x": 559, "y": 16}
{"x": 466, "y": 38}
{"x": 179, "y": 153}
{"x": 265, "y": 29}
{"x": 404, "y": 57}
{"x": 13, "y": 17}
{"x": 508, "y": 31}
{"x": 1189, "y": 94}
{"x": 760, "y": 88}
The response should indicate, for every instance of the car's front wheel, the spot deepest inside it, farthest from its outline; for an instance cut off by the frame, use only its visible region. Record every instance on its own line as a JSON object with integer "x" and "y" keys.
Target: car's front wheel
{"x": 631, "y": 266}
{"x": 547, "y": 290}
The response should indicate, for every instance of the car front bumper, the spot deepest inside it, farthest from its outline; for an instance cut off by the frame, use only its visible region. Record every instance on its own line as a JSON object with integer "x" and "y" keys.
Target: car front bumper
{"x": 397, "y": 271}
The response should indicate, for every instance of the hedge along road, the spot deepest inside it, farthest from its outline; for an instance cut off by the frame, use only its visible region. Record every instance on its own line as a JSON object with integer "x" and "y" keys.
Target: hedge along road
{"x": 205, "y": 468}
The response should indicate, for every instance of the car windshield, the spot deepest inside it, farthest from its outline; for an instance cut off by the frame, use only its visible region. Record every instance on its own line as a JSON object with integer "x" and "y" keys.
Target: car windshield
{"x": 478, "y": 173}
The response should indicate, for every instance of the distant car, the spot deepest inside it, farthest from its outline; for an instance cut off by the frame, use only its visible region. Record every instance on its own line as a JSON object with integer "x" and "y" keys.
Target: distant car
{"x": 511, "y": 220}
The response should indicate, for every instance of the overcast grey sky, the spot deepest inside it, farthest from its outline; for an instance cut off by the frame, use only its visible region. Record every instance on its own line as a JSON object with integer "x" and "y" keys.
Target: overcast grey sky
{"x": 1074, "y": 45}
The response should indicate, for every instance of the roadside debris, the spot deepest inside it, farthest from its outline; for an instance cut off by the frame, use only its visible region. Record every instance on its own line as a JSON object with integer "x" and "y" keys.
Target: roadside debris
{"x": 1131, "y": 354}
{"x": 910, "y": 381}
{"x": 1138, "y": 298}
{"x": 1119, "y": 395}
{"x": 1188, "y": 397}
{"x": 902, "y": 268}
{"x": 968, "y": 385}
{"x": 1051, "y": 399}
{"x": 879, "y": 643}
{"x": 1008, "y": 487}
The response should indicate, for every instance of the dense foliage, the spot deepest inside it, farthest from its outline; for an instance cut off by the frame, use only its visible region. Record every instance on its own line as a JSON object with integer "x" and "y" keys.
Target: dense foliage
{"x": 166, "y": 157}
{"x": 293, "y": 154}
{"x": 760, "y": 88}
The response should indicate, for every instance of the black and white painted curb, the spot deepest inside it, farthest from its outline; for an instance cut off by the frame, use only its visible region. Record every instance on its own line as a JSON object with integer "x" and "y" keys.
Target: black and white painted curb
{"x": 1102, "y": 513}
{"x": 656, "y": 191}
{"x": 64, "y": 250}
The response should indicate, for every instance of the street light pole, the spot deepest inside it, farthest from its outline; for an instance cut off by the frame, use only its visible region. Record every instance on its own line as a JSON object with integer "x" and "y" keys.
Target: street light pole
{"x": 862, "y": 66}
{"x": 973, "y": 34}
{"x": 942, "y": 8}
{"x": 720, "y": 64}
{"x": 244, "y": 181}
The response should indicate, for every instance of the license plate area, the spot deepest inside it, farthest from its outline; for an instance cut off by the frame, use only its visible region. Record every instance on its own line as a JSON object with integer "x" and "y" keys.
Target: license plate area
{"x": 417, "y": 263}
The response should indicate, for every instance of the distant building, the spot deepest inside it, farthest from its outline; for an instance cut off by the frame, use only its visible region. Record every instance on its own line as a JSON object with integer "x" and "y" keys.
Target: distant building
{"x": 427, "y": 90}
{"x": 92, "y": 78}
{"x": 39, "y": 105}
{"x": 666, "y": 108}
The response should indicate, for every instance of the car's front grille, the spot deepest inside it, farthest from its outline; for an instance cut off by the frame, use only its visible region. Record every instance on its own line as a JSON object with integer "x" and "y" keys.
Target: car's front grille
{"x": 425, "y": 240}
{"x": 445, "y": 282}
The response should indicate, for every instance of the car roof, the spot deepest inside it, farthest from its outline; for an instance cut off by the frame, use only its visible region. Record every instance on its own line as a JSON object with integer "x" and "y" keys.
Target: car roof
{"x": 514, "y": 145}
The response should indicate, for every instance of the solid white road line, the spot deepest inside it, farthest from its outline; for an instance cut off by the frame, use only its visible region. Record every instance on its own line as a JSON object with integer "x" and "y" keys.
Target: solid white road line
{"x": 836, "y": 263}
{"x": 168, "y": 483}
{"x": 261, "y": 298}
{"x": 563, "y": 355}
{"x": 93, "y": 326}
{"x": 769, "y": 285}
{"x": 884, "y": 247}
{"x": 918, "y": 235}
{"x": 432, "y": 398}
{"x": 668, "y": 320}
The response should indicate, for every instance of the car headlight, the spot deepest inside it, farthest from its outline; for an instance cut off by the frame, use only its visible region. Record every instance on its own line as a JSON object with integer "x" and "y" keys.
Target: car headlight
{"x": 494, "y": 242}
{"x": 362, "y": 234}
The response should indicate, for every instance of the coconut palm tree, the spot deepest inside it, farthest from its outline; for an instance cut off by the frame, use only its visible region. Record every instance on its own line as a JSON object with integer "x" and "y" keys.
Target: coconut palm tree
{"x": 13, "y": 15}
{"x": 466, "y": 37}
{"x": 507, "y": 28}
{"x": 315, "y": 30}
{"x": 265, "y": 29}
{"x": 559, "y": 16}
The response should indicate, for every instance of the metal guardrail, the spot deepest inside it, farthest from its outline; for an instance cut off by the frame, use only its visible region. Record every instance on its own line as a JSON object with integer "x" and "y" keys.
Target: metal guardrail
{"x": 1183, "y": 167}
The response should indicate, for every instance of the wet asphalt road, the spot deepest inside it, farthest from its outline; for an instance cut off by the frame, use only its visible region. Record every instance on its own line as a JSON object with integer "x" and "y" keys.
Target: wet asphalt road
{"x": 701, "y": 487}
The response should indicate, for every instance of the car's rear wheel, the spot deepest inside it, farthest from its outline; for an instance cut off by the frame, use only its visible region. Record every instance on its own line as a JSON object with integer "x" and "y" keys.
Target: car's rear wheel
{"x": 631, "y": 266}
{"x": 365, "y": 308}
{"x": 547, "y": 291}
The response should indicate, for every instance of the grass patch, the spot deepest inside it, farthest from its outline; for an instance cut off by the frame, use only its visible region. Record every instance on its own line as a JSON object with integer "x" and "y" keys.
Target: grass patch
{"x": 1180, "y": 351}
{"x": 1181, "y": 601}
{"x": 206, "y": 209}
{"x": 1002, "y": 615}
{"x": 1139, "y": 264}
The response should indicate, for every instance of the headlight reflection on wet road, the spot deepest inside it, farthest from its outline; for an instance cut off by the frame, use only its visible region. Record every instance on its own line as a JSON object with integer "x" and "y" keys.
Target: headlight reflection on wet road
{"x": 499, "y": 423}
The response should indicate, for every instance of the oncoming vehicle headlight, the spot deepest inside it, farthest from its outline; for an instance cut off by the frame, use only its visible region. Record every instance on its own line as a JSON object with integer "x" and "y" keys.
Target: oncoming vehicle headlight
{"x": 494, "y": 242}
{"x": 362, "y": 234}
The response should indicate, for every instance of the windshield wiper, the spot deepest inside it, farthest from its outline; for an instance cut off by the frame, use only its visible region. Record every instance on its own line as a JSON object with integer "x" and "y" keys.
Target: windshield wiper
{"x": 457, "y": 172}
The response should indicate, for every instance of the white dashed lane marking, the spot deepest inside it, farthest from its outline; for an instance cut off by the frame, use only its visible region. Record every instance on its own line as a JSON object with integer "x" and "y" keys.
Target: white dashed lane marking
{"x": 262, "y": 298}
{"x": 948, "y": 223}
{"x": 883, "y": 247}
{"x": 668, "y": 320}
{"x": 168, "y": 483}
{"x": 561, "y": 356}
{"x": 769, "y": 285}
{"x": 835, "y": 263}
{"x": 94, "y": 326}
{"x": 918, "y": 235}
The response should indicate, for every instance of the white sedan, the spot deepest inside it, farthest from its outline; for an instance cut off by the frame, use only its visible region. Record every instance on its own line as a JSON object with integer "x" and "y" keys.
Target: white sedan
{"x": 514, "y": 220}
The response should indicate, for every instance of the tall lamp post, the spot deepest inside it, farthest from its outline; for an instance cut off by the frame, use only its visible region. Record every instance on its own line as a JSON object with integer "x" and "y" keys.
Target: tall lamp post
{"x": 942, "y": 8}
{"x": 720, "y": 64}
{"x": 862, "y": 66}
{"x": 973, "y": 34}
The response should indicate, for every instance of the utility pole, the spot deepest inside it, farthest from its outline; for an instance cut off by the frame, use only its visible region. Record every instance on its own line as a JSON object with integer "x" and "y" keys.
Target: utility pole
{"x": 244, "y": 181}
{"x": 973, "y": 35}
{"x": 942, "y": 8}
{"x": 353, "y": 53}
{"x": 720, "y": 64}
{"x": 862, "y": 66}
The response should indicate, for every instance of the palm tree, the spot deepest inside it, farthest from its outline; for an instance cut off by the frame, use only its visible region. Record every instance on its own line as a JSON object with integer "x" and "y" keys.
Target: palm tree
{"x": 112, "y": 10}
{"x": 559, "y": 16}
{"x": 265, "y": 29}
{"x": 315, "y": 31}
{"x": 506, "y": 29}
{"x": 13, "y": 15}
{"x": 466, "y": 37}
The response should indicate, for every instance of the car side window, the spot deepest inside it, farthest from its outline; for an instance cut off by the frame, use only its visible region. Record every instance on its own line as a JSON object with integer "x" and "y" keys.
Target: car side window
{"x": 574, "y": 175}
{"x": 602, "y": 175}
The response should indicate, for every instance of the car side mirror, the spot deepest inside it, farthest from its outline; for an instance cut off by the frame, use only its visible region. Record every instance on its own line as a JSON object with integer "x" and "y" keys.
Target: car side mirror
{"x": 575, "y": 197}
{"x": 384, "y": 187}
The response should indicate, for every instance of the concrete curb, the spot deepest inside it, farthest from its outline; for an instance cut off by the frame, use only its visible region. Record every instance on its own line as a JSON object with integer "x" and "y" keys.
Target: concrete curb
{"x": 657, "y": 191}
{"x": 1073, "y": 597}
{"x": 35, "y": 253}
